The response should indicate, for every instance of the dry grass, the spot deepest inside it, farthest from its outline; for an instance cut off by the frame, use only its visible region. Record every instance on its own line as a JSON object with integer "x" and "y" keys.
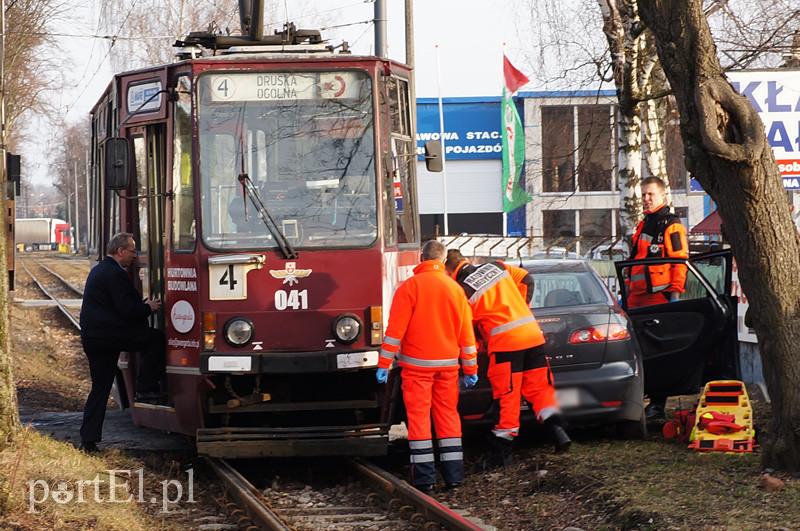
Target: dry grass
{"x": 49, "y": 365}
{"x": 604, "y": 483}
{"x": 35, "y": 460}
{"x": 659, "y": 485}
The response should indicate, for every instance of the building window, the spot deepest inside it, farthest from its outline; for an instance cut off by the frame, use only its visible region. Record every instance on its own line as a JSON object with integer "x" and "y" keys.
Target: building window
{"x": 595, "y": 226}
{"x": 594, "y": 148}
{"x": 558, "y": 149}
{"x": 558, "y": 227}
{"x": 683, "y": 213}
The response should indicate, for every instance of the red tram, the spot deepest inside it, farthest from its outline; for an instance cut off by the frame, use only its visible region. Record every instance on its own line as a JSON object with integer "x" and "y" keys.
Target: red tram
{"x": 270, "y": 185}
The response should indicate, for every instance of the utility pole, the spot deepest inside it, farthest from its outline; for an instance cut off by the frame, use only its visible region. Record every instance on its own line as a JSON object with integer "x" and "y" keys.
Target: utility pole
{"x": 412, "y": 76}
{"x": 380, "y": 28}
{"x": 89, "y": 227}
{"x": 77, "y": 207}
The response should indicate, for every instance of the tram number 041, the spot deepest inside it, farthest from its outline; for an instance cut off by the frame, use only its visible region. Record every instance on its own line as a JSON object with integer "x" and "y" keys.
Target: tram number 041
{"x": 294, "y": 299}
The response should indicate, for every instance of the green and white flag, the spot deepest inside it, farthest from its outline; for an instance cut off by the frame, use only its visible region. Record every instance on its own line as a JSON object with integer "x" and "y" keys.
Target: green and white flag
{"x": 514, "y": 196}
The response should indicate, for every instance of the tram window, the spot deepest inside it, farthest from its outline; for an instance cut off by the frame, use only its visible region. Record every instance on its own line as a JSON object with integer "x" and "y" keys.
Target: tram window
{"x": 183, "y": 218}
{"x": 310, "y": 155}
{"x": 398, "y": 106}
{"x": 403, "y": 162}
{"x": 403, "y": 155}
{"x": 140, "y": 161}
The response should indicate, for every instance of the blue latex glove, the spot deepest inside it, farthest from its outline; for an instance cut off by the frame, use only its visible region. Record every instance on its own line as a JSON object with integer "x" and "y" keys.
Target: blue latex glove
{"x": 674, "y": 296}
{"x": 469, "y": 380}
{"x": 382, "y": 375}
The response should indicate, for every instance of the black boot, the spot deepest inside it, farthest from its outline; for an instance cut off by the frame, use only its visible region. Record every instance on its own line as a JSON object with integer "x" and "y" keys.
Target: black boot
{"x": 500, "y": 452}
{"x": 561, "y": 440}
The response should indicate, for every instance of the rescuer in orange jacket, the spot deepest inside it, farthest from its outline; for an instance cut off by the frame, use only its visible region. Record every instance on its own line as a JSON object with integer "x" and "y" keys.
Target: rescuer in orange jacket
{"x": 430, "y": 329}
{"x": 659, "y": 235}
{"x": 499, "y": 295}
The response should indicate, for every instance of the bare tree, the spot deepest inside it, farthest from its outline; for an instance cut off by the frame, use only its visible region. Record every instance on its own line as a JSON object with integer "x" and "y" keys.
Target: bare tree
{"x": 142, "y": 39}
{"x": 727, "y": 151}
{"x": 753, "y": 34}
{"x": 26, "y": 78}
{"x": 70, "y": 168}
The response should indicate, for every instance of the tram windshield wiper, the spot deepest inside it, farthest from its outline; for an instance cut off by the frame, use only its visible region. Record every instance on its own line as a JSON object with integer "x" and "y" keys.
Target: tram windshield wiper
{"x": 273, "y": 228}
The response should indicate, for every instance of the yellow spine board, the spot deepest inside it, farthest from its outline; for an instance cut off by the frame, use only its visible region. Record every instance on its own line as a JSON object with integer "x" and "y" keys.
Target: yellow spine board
{"x": 724, "y": 397}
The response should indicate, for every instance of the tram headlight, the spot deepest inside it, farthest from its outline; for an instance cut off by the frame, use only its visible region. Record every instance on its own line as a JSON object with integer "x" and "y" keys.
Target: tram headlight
{"x": 346, "y": 328}
{"x": 238, "y": 331}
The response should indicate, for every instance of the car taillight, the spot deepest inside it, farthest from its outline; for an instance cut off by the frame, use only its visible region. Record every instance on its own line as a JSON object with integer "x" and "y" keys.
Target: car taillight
{"x": 598, "y": 334}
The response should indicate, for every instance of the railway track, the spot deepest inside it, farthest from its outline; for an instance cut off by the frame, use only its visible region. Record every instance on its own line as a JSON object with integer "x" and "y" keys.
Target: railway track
{"x": 378, "y": 501}
{"x": 57, "y": 289}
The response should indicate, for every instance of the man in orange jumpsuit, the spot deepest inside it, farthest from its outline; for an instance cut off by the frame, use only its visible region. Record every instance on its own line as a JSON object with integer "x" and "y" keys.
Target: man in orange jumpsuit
{"x": 659, "y": 235}
{"x": 499, "y": 295}
{"x": 430, "y": 328}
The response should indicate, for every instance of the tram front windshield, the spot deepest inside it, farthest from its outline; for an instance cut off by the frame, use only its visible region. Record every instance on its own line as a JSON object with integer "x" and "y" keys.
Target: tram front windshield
{"x": 305, "y": 140}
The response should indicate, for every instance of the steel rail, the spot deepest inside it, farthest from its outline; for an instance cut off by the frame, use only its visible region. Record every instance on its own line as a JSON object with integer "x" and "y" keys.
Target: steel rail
{"x": 427, "y": 506}
{"x": 248, "y": 496}
{"x": 64, "y": 281}
{"x": 61, "y": 307}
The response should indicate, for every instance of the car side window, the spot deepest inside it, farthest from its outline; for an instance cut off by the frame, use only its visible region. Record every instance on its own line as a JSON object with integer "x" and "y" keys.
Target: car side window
{"x": 639, "y": 293}
{"x": 713, "y": 270}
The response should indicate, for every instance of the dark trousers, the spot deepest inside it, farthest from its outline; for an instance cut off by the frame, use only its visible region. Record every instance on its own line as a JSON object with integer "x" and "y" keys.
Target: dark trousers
{"x": 103, "y": 369}
{"x": 103, "y": 355}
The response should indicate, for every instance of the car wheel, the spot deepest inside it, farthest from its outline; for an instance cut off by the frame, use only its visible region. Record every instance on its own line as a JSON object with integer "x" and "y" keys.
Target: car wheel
{"x": 632, "y": 429}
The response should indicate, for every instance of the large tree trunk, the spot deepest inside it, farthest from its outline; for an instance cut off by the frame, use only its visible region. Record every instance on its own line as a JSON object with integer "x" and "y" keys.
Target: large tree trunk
{"x": 726, "y": 150}
{"x": 9, "y": 415}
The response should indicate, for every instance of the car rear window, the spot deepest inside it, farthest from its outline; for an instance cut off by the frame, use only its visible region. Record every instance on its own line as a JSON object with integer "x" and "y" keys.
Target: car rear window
{"x": 566, "y": 289}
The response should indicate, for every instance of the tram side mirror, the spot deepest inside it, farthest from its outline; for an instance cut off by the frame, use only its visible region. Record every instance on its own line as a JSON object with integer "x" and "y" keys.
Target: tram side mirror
{"x": 433, "y": 156}
{"x": 116, "y": 167}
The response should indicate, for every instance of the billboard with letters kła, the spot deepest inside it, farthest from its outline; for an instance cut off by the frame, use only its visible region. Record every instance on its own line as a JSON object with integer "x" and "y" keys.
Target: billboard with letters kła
{"x": 775, "y": 95}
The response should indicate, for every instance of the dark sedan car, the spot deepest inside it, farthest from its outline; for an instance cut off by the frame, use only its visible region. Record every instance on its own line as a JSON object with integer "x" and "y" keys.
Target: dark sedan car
{"x": 593, "y": 354}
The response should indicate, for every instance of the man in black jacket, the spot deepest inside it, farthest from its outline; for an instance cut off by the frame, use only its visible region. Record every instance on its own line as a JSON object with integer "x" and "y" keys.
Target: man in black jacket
{"x": 114, "y": 319}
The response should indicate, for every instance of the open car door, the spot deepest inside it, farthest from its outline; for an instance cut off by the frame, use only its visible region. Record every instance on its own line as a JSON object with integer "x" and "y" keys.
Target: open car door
{"x": 690, "y": 341}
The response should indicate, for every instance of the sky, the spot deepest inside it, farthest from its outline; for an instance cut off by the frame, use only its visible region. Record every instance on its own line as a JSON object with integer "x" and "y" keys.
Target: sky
{"x": 470, "y": 35}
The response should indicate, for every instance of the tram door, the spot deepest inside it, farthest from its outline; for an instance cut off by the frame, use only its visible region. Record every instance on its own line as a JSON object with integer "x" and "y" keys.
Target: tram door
{"x": 149, "y": 152}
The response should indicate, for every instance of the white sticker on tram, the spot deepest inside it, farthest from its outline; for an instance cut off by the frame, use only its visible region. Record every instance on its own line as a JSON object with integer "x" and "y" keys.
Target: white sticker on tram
{"x": 229, "y": 363}
{"x": 182, "y": 316}
{"x": 352, "y": 360}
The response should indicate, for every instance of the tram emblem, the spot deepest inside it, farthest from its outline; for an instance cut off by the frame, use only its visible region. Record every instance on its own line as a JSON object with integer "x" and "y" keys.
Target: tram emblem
{"x": 290, "y": 274}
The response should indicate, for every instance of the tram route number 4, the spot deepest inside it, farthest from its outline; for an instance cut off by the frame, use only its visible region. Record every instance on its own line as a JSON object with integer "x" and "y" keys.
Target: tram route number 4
{"x": 228, "y": 281}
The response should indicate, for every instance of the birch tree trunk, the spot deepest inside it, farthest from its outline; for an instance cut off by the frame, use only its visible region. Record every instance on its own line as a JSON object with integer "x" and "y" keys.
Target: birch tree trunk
{"x": 632, "y": 70}
{"x": 629, "y": 176}
{"x": 653, "y": 143}
{"x": 726, "y": 150}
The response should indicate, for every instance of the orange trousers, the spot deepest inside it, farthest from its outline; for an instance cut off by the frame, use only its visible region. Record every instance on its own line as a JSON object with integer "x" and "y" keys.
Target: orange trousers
{"x": 436, "y": 392}
{"x": 428, "y": 392}
{"x": 523, "y": 373}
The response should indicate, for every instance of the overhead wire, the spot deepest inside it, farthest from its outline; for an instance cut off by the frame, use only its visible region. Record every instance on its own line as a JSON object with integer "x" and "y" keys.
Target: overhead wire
{"x": 102, "y": 61}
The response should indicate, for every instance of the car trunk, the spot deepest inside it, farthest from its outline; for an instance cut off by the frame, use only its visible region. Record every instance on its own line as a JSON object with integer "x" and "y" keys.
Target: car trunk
{"x": 558, "y": 324}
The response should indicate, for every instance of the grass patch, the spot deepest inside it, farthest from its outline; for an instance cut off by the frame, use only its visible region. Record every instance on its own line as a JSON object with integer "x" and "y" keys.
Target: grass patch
{"x": 35, "y": 460}
{"x": 658, "y": 484}
{"x": 48, "y": 363}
